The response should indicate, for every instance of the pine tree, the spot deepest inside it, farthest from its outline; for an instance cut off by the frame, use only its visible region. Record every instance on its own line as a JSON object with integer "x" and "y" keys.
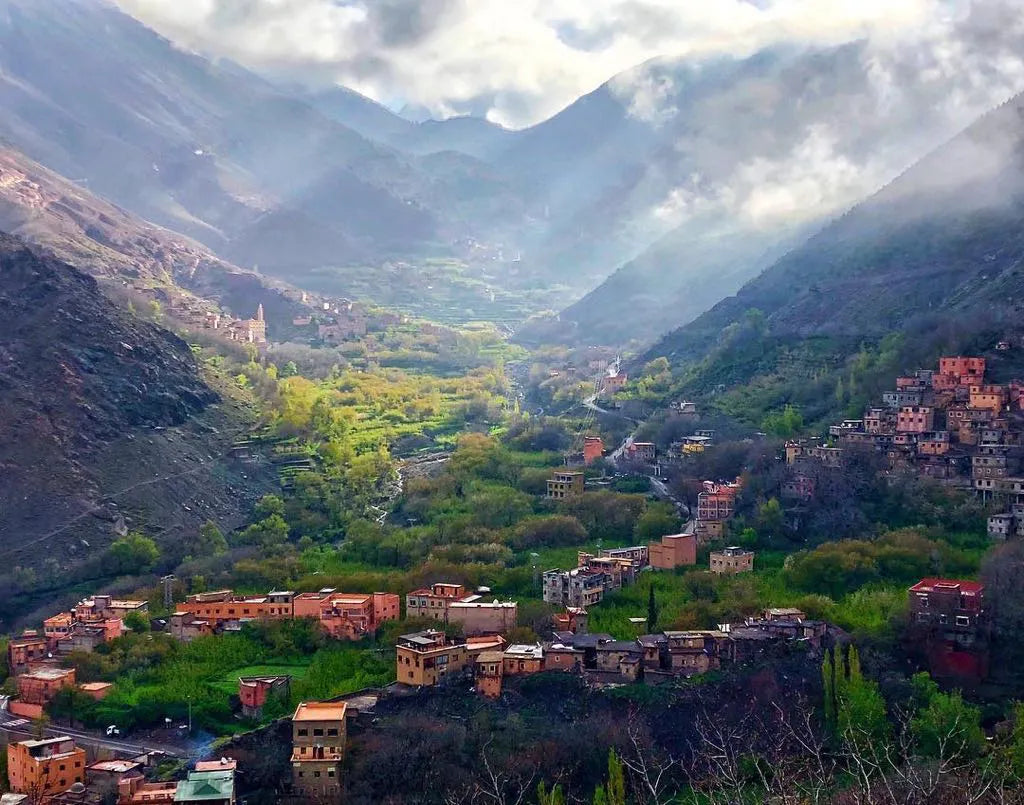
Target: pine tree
{"x": 828, "y": 678}
{"x": 652, "y": 611}
{"x": 616, "y": 780}
{"x": 600, "y": 797}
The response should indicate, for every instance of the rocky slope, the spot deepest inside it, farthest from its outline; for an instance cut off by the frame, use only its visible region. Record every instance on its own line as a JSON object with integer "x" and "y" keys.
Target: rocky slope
{"x": 66, "y": 221}
{"x": 107, "y": 422}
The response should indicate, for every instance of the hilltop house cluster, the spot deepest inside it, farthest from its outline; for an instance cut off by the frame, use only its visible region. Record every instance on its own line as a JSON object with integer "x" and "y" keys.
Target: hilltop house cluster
{"x": 429, "y": 658}
{"x": 55, "y": 771}
{"x": 949, "y": 423}
{"x": 614, "y": 568}
{"x": 203, "y": 315}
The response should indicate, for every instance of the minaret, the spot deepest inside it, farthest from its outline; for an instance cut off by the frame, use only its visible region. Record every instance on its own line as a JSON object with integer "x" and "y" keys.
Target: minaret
{"x": 259, "y": 312}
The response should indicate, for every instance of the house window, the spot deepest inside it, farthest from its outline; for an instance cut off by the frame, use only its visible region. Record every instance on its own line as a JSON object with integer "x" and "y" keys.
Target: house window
{"x": 332, "y": 731}
{"x": 303, "y": 732}
{"x": 963, "y": 620}
{"x": 318, "y": 733}
{"x": 922, "y": 617}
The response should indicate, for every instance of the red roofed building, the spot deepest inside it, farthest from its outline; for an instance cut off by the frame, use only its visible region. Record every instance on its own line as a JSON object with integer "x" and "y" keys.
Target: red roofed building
{"x": 949, "y": 614}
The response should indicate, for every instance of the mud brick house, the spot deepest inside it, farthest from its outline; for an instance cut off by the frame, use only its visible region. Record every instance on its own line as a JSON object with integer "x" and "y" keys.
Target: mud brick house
{"x": 30, "y": 647}
{"x": 565, "y": 484}
{"x": 949, "y": 616}
{"x": 255, "y": 691}
{"x": 731, "y": 560}
{"x": 488, "y": 673}
{"x": 318, "y": 748}
{"x": 674, "y": 550}
{"x": 45, "y": 768}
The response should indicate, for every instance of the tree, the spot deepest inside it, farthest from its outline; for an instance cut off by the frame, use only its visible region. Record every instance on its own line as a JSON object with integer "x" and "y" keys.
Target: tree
{"x": 616, "y": 789}
{"x": 949, "y": 729}
{"x": 133, "y": 553}
{"x": 137, "y": 622}
{"x": 555, "y": 797}
{"x": 39, "y": 726}
{"x": 652, "y": 611}
{"x": 657, "y": 521}
{"x": 785, "y": 423}
{"x": 210, "y": 541}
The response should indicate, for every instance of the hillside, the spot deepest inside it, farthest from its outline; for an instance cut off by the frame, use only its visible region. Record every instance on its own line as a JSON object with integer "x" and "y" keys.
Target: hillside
{"x": 722, "y": 165}
{"x": 107, "y": 422}
{"x": 206, "y": 149}
{"x": 937, "y": 256}
{"x": 68, "y": 222}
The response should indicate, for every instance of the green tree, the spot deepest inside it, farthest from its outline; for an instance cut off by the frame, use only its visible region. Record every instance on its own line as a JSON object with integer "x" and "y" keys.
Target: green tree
{"x": 949, "y": 729}
{"x": 555, "y": 796}
{"x": 600, "y": 796}
{"x": 269, "y": 505}
{"x": 785, "y": 423}
{"x": 657, "y": 521}
{"x": 652, "y": 610}
{"x": 133, "y": 553}
{"x": 289, "y": 370}
{"x": 616, "y": 790}
{"x": 137, "y": 622}
{"x": 209, "y": 542}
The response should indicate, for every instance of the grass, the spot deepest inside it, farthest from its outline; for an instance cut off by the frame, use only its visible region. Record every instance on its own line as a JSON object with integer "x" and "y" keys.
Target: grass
{"x": 228, "y": 683}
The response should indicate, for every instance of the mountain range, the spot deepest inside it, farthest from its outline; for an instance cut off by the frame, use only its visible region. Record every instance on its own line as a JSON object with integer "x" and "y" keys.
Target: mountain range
{"x": 658, "y": 193}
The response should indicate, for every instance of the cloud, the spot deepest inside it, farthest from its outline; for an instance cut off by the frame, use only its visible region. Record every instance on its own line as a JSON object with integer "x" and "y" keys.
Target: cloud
{"x": 517, "y": 62}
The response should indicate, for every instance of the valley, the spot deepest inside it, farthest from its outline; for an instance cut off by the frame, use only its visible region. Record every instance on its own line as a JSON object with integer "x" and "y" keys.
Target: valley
{"x": 667, "y": 449}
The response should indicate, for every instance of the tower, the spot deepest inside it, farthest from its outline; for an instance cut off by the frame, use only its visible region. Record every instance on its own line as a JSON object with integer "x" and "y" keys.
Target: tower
{"x": 259, "y": 313}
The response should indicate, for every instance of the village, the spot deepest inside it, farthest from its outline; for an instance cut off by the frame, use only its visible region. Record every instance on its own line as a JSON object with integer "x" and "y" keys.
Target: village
{"x": 948, "y": 424}
{"x": 466, "y": 647}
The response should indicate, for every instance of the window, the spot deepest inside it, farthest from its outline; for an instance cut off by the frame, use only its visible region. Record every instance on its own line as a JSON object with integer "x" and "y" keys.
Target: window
{"x": 963, "y": 620}
{"x": 316, "y": 774}
{"x": 922, "y": 617}
{"x": 303, "y": 732}
{"x": 318, "y": 733}
{"x": 330, "y": 772}
{"x": 332, "y": 731}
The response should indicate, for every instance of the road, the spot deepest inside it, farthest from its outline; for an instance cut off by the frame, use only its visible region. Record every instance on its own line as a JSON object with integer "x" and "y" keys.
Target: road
{"x": 14, "y": 725}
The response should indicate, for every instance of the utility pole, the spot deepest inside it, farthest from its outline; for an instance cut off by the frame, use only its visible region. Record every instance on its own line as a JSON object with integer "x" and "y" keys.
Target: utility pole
{"x": 168, "y": 585}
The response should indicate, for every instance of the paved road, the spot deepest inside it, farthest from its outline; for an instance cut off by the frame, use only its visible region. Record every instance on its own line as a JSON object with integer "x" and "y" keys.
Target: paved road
{"x": 14, "y": 725}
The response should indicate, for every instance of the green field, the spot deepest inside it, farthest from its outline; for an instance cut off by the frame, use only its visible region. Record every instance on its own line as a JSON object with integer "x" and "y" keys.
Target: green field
{"x": 228, "y": 683}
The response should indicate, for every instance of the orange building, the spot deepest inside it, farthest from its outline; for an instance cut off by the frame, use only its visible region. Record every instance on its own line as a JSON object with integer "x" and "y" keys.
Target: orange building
{"x": 98, "y": 690}
{"x": 44, "y": 768}
{"x": 574, "y": 620}
{"x": 427, "y": 658}
{"x": 222, "y": 606}
{"x": 253, "y": 692}
{"x": 488, "y": 673}
{"x": 318, "y": 747}
{"x": 915, "y": 419}
{"x": 965, "y": 370}
{"x": 593, "y": 449}
{"x": 351, "y": 616}
{"x": 674, "y": 550}
{"x": 105, "y": 607}
{"x": 30, "y": 647}
{"x": 935, "y": 443}
{"x": 993, "y": 398}
{"x": 57, "y": 627}
{"x": 484, "y": 617}
{"x": 523, "y": 660}
{"x": 41, "y": 685}
{"x": 717, "y": 501}
{"x": 433, "y": 601}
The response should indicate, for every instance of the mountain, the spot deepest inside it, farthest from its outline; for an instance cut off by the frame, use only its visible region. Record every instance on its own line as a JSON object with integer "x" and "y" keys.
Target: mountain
{"x": 690, "y": 177}
{"x": 107, "y": 421}
{"x": 472, "y": 136}
{"x": 206, "y": 149}
{"x": 935, "y": 258}
{"x": 66, "y": 221}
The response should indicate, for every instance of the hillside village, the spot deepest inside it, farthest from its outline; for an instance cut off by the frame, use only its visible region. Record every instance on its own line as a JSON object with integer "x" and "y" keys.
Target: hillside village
{"x": 949, "y": 424}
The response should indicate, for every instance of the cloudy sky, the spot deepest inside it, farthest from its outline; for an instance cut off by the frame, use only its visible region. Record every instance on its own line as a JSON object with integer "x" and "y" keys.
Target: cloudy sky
{"x": 515, "y": 61}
